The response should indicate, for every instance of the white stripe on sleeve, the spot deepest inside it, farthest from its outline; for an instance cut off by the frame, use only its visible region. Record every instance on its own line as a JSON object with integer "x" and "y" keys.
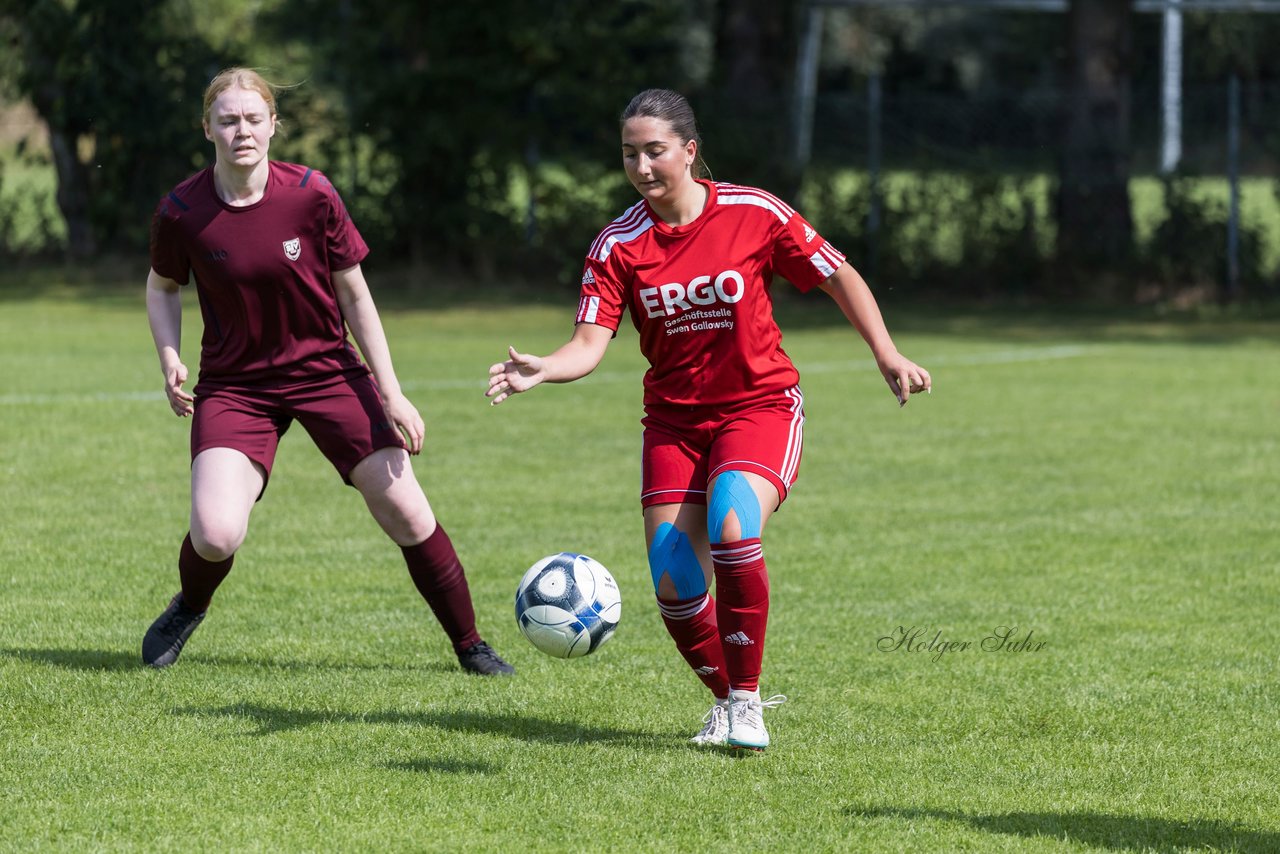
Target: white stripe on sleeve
{"x": 822, "y": 264}
{"x": 832, "y": 254}
{"x": 588, "y": 309}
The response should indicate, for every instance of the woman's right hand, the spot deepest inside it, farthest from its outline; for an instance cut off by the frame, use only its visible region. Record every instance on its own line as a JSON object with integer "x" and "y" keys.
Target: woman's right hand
{"x": 180, "y": 401}
{"x": 520, "y": 372}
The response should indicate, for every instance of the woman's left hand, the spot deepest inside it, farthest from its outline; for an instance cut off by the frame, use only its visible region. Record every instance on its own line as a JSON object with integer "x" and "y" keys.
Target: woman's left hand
{"x": 904, "y": 376}
{"x": 404, "y": 416}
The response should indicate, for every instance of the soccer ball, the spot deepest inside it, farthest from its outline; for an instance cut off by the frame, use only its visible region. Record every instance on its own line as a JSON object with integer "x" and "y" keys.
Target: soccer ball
{"x": 568, "y": 605}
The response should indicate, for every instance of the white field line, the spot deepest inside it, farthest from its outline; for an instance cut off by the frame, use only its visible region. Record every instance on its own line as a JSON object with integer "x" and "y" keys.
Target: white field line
{"x": 992, "y": 357}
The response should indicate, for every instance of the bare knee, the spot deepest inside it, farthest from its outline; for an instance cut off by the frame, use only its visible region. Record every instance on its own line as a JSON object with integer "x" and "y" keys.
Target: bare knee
{"x": 407, "y": 522}
{"x": 216, "y": 540}
{"x": 224, "y": 486}
{"x": 394, "y": 496}
{"x": 218, "y": 525}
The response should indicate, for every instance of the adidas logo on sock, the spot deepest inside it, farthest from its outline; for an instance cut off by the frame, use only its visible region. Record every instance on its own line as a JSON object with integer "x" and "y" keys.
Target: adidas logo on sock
{"x": 740, "y": 638}
{"x": 705, "y": 670}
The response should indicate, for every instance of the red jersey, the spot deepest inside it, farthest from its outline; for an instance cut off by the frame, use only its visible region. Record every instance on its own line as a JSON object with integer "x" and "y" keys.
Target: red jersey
{"x": 699, "y": 294}
{"x": 262, "y": 274}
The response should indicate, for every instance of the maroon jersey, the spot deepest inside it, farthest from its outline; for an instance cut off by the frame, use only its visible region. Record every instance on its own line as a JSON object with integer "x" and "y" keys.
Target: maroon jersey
{"x": 699, "y": 293}
{"x": 263, "y": 274}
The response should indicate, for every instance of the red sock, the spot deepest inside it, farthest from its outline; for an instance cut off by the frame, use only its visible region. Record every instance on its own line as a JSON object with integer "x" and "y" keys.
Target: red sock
{"x": 200, "y": 577}
{"x": 742, "y": 588}
{"x": 437, "y": 573}
{"x": 692, "y": 625}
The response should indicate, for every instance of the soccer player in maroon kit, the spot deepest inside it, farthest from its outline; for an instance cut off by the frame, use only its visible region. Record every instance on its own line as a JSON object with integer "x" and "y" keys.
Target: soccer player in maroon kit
{"x": 276, "y": 260}
{"x": 693, "y": 261}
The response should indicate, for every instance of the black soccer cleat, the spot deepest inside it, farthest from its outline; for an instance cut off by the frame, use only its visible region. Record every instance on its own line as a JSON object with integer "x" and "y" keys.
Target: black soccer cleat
{"x": 164, "y": 640}
{"x": 480, "y": 658}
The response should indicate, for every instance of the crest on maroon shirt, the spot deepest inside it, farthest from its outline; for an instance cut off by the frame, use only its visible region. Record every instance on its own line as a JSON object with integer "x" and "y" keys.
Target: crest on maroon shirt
{"x": 292, "y": 249}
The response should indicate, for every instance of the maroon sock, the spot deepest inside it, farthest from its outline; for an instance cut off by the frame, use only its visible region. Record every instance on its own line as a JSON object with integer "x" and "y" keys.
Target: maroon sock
{"x": 692, "y": 625}
{"x": 742, "y": 609}
{"x": 200, "y": 577}
{"x": 437, "y": 573}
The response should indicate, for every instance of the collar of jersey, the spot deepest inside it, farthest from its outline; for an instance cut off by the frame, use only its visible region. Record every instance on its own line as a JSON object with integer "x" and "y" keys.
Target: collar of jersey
{"x": 688, "y": 227}
{"x": 266, "y": 194}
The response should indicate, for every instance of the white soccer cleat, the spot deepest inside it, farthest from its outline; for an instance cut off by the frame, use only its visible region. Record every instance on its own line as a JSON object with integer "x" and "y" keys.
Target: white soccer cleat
{"x": 746, "y": 719}
{"x": 715, "y": 729}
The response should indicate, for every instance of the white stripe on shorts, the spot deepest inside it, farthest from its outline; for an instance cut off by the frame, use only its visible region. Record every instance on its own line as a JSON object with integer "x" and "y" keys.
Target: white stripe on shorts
{"x": 795, "y": 438}
{"x": 791, "y": 455}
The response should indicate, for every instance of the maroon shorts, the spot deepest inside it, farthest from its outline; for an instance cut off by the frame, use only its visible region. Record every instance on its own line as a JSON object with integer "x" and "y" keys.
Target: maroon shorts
{"x": 685, "y": 447}
{"x": 343, "y": 414}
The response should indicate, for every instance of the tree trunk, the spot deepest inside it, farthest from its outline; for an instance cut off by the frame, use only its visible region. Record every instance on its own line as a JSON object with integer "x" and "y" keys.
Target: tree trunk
{"x": 73, "y": 194}
{"x": 755, "y": 37}
{"x": 1095, "y": 223}
{"x": 47, "y": 38}
{"x": 754, "y": 63}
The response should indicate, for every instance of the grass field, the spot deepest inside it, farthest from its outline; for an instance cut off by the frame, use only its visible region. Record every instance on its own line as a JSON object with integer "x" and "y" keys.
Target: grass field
{"x": 1107, "y": 485}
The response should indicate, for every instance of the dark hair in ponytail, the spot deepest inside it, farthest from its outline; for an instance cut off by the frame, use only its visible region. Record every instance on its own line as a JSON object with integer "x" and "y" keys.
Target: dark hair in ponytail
{"x": 672, "y": 108}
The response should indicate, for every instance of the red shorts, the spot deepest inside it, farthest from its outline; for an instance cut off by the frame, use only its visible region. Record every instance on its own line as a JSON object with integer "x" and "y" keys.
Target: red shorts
{"x": 342, "y": 413}
{"x": 686, "y": 446}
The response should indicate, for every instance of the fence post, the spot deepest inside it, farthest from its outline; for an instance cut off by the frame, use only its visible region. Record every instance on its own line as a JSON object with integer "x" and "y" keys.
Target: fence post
{"x": 1233, "y": 177}
{"x": 806, "y": 90}
{"x": 874, "y": 99}
{"x": 1171, "y": 89}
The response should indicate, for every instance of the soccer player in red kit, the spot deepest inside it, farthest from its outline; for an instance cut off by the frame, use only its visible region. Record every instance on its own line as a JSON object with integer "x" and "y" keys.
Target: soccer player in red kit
{"x": 693, "y": 262}
{"x": 276, "y": 262}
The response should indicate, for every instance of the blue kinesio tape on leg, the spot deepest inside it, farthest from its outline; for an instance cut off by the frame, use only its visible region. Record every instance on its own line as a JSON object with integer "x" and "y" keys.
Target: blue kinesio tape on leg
{"x": 672, "y": 553}
{"x": 733, "y": 492}
{"x": 661, "y": 549}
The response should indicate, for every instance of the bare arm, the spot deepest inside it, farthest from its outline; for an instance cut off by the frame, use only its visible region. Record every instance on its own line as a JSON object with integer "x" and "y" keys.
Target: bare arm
{"x": 362, "y": 318}
{"x": 574, "y": 359}
{"x": 851, "y": 293}
{"x": 164, "y": 314}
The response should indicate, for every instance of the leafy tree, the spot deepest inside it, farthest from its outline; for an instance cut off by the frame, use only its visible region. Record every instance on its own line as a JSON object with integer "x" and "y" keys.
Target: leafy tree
{"x": 109, "y": 78}
{"x": 454, "y": 104}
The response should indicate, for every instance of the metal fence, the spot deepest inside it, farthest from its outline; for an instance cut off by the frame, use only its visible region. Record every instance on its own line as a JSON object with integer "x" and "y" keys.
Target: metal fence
{"x": 1020, "y": 130}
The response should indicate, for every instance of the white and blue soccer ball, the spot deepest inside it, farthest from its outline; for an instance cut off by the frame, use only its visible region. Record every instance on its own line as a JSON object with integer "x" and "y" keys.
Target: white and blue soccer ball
{"x": 568, "y": 605}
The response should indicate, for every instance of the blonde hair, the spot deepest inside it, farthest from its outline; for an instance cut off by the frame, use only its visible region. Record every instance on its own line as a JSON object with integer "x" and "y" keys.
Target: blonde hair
{"x": 242, "y": 78}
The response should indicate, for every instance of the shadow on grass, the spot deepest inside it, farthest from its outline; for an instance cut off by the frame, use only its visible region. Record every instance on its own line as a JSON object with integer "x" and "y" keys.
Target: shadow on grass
{"x": 120, "y": 660}
{"x": 273, "y": 719}
{"x": 120, "y": 282}
{"x": 79, "y": 659}
{"x": 1108, "y": 832}
{"x": 437, "y": 766}
{"x": 116, "y": 282}
{"x": 1042, "y": 323}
